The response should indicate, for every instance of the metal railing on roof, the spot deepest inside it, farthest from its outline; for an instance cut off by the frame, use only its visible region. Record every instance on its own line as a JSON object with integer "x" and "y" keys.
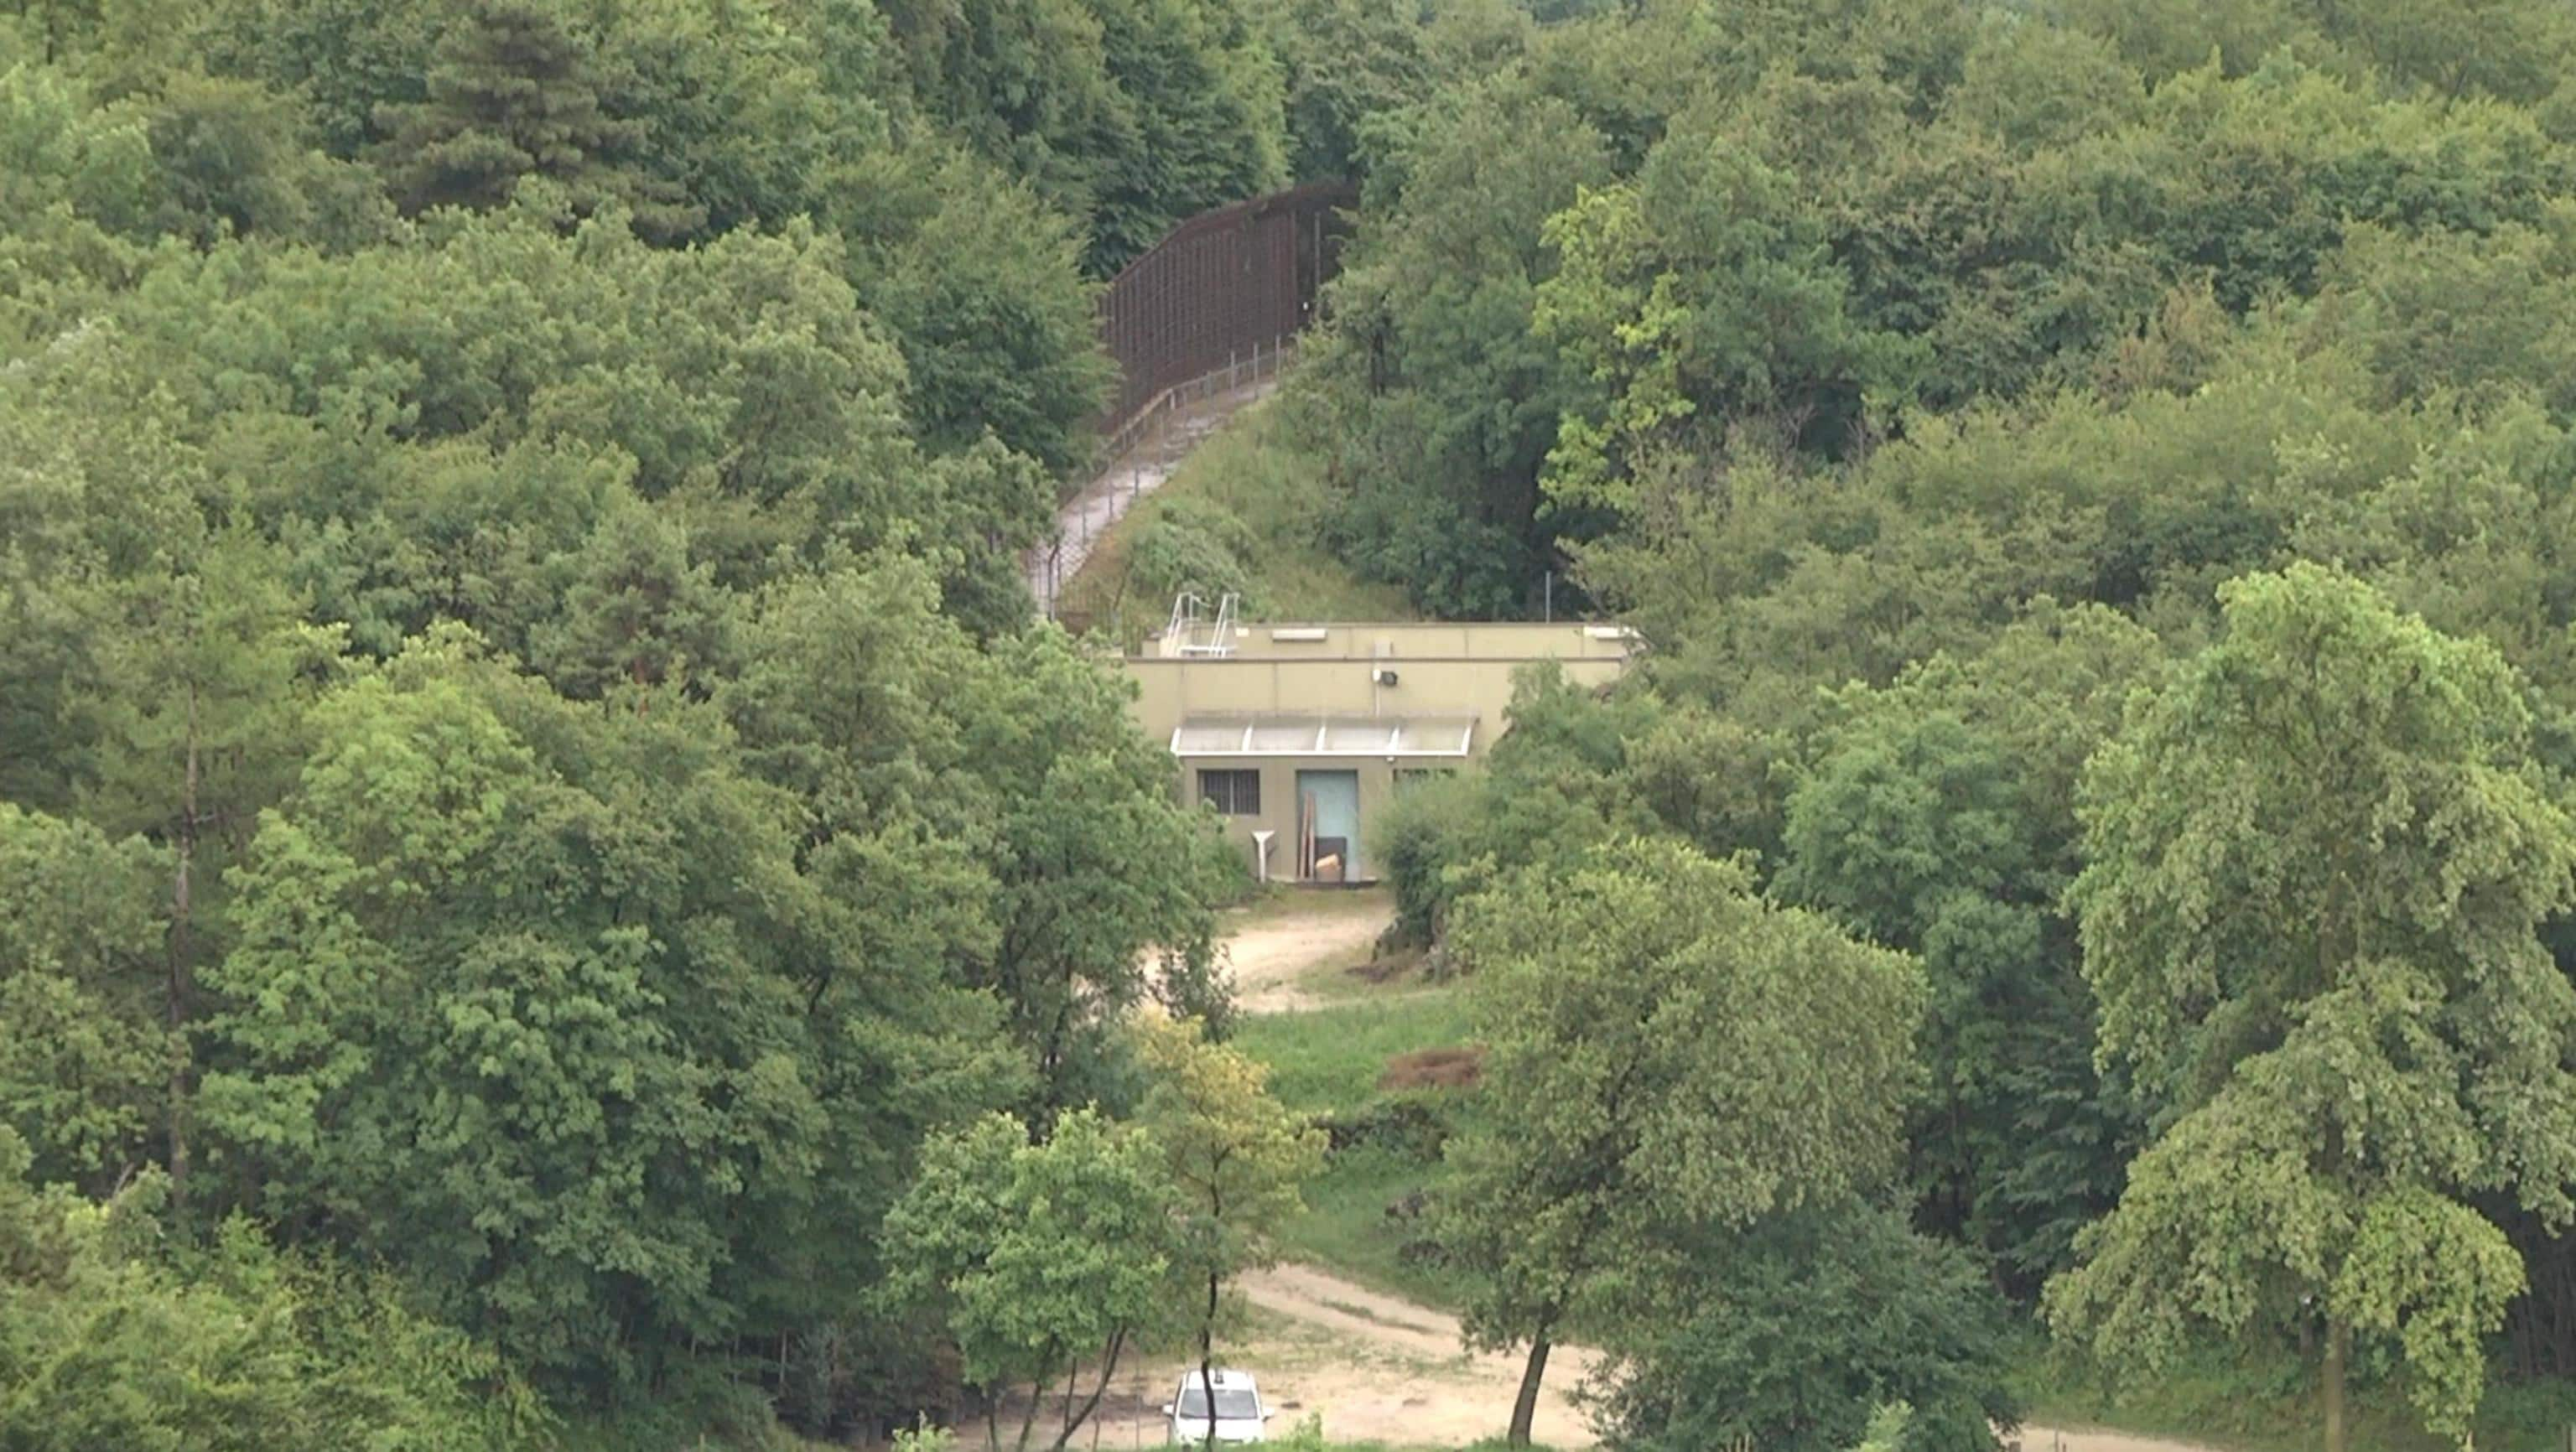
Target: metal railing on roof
{"x": 1192, "y": 633}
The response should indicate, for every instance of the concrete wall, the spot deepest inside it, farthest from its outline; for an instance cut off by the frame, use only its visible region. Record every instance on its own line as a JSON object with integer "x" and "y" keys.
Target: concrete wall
{"x": 1170, "y": 688}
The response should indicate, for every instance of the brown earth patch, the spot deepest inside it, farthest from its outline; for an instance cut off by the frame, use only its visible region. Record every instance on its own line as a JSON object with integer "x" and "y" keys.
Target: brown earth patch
{"x": 1269, "y": 955}
{"x": 1457, "y": 1068}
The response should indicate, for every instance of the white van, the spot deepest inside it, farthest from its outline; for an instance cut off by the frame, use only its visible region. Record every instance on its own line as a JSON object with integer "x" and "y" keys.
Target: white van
{"x": 1237, "y": 1408}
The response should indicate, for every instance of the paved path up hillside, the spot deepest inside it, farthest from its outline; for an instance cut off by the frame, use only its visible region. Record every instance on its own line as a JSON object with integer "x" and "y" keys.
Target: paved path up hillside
{"x": 1083, "y": 519}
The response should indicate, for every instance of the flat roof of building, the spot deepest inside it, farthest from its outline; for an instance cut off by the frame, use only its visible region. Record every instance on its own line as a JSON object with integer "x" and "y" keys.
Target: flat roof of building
{"x": 1399, "y": 639}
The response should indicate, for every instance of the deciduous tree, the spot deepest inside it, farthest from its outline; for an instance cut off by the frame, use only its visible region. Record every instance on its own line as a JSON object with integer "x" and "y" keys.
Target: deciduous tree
{"x": 1095, "y": 866}
{"x": 112, "y": 1336}
{"x": 1788, "y": 1334}
{"x": 1666, "y": 1056}
{"x": 85, "y": 1067}
{"x": 1045, "y": 1257}
{"x": 533, "y": 1001}
{"x": 2319, "y": 865}
{"x": 1238, "y": 1157}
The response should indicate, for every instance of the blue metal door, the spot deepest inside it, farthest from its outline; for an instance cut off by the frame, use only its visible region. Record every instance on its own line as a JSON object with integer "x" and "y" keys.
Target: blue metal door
{"x": 1328, "y": 803}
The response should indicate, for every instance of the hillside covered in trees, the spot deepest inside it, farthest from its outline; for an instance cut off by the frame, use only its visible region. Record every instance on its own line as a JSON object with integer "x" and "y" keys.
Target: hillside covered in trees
{"x": 2095, "y": 480}
{"x": 552, "y": 894}
{"x": 528, "y": 789}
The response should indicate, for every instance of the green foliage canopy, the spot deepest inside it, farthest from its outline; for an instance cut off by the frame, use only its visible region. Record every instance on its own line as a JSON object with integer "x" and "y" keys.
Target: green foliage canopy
{"x": 2319, "y": 864}
{"x": 1666, "y": 1057}
{"x": 1043, "y": 1255}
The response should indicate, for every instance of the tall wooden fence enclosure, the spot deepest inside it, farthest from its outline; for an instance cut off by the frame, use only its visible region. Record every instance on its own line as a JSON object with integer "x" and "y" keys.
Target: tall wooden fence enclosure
{"x": 1224, "y": 289}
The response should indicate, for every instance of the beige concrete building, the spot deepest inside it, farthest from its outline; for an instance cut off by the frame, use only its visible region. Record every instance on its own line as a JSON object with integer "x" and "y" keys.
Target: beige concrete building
{"x": 1297, "y": 733}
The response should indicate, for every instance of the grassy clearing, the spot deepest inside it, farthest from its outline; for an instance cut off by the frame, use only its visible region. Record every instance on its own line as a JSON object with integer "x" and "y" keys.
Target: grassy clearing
{"x": 1346, "y": 1227}
{"x": 1253, "y": 472}
{"x": 1328, "y": 1062}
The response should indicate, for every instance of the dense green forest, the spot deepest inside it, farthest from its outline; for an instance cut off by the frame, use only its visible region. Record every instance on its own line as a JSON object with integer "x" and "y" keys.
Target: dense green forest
{"x": 551, "y": 893}
{"x": 2095, "y": 482}
{"x": 528, "y": 790}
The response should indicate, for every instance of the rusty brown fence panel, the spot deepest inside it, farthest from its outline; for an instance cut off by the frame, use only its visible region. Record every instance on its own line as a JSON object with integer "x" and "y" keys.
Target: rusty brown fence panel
{"x": 1221, "y": 290}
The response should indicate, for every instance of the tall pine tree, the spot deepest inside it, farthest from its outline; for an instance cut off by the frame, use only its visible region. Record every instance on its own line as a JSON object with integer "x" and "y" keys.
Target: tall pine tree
{"x": 515, "y": 91}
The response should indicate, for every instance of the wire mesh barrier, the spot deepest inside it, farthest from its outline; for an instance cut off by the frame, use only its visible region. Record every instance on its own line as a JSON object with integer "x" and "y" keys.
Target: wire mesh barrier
{"x": 1258, "y": 363}
{"x": 1223, "y": 289}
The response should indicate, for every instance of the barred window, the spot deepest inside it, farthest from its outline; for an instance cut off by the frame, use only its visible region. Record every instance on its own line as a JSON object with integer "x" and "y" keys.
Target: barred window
{"x": 1235, "y": 793}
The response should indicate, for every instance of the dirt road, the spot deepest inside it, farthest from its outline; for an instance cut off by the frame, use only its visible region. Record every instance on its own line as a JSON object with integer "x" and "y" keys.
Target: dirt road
{"x": 1270, "y": 956}
{"x": 1375, "y": 1368}
{"x": 2044, "y": 1439}
{"x": 1451, "y": 1397}
{"x": 1378, "y": 1367}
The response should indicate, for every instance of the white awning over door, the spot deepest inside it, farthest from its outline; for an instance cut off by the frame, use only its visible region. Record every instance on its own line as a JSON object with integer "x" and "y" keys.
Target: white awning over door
{"x": 1292, "y": 735}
